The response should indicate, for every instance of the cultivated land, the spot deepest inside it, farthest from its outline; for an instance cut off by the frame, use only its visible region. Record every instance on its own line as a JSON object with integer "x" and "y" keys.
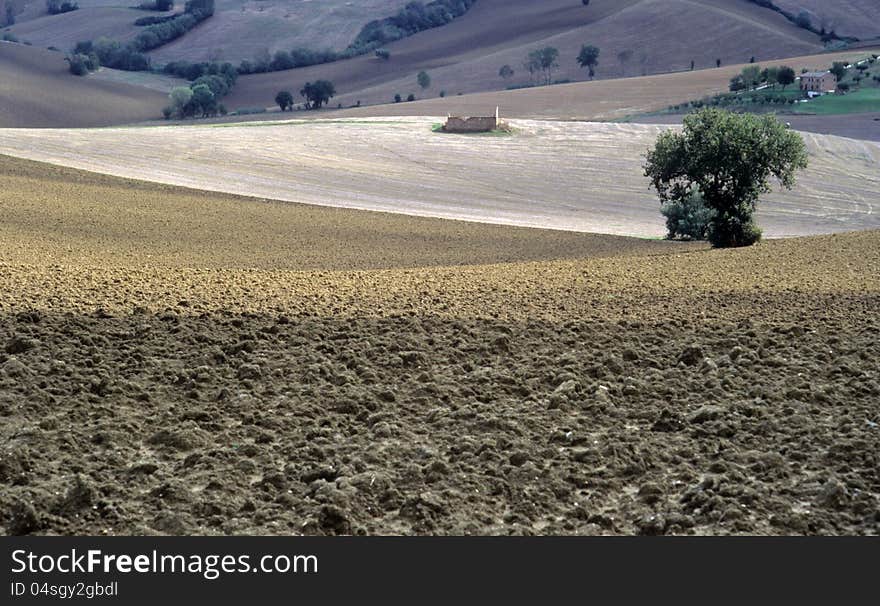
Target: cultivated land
{"x": 243, "y": 29}
{"x": 564, "y": 175}
{"x": 846, "y": 17}
{"x": 88, "y": 23}
{"x": 663, "y": 389}
{"x": 598, "y": 100}
{"x": 38, "y": 91}
{"x": 465, "y": 55}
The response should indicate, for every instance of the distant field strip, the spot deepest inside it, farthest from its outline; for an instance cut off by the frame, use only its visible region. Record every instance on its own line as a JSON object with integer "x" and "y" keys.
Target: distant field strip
{"x": 571, "y": 176}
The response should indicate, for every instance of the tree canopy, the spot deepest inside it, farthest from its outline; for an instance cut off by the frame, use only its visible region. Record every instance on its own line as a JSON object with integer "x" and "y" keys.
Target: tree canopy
{"x": 318, "y": 93}
{"x": 284, "y": 100}
{"x": 589, "y": 58}
{"x": 543, "y": 60}
{"x": 729, "y": 159}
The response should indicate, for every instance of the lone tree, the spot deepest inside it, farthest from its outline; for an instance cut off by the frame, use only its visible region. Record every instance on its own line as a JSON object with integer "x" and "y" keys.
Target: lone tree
{"x": 318, "y": 93}
{"x": 424, "y": 80}
{"x": 284, "y": 100}
{"x": 589, "y": 58}
{"x": 506, "y": 72}
{"x": 785, "y": 76}
{"x": 729, "y": 159}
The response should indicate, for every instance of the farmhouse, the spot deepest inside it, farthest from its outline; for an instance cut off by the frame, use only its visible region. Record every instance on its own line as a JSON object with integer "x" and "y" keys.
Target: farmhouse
{"x": 819, "y": 82}
{"x": 475, "y": 124}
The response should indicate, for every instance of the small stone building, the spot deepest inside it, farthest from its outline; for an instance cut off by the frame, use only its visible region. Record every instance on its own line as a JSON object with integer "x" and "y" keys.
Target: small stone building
{"x": 474, "y": 124}
{"x": 818, "y": 82}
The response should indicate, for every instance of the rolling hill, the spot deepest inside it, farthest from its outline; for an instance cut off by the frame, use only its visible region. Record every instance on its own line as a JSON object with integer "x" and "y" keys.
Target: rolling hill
{"x": 636, "y": 37}
{"x": 857, "y": 18}
{"x": 243, "y": 29}
{"x": 575, "y": 176}
{"x": 38, "y": 91}
{"x": 597, "y": 100}
{"x": 88, "y": 23}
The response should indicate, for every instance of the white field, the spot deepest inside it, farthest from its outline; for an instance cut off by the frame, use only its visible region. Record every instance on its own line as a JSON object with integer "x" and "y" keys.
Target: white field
{"x": 563, "y": 175}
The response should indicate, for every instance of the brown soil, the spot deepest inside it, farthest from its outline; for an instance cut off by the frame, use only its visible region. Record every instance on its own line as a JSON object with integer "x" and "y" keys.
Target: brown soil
{"x": 38, "y": 91}
{"x": 696, "y": 391}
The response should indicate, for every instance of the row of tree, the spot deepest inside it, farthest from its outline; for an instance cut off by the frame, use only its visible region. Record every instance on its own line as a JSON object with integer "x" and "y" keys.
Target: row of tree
{"x": 542, "y": 62}
{"x": 154, "y": 36}
{"x": 753, "y": 76}
{"x": 317, "y": 94}
{"x": 130, "y": 56}
{"x": 413, "y": 18}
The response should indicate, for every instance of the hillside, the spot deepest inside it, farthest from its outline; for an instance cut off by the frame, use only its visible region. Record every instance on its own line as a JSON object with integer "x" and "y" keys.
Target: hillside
{"x": 465, "y": 55}
{"x": 574, "y": 176}
{"x": 38, "y": 91}
{"x": 597, "y": 100}
{"x": 88, "y": 23}
{"x": 857, "y": 18}
{"x": 622, "y": 388}
{"x": 245, "y": 29}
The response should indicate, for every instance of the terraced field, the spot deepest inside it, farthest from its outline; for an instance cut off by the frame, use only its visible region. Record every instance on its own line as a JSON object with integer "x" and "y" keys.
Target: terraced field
{"x": 157, "y": 384}
{"x": 584, "y": 177}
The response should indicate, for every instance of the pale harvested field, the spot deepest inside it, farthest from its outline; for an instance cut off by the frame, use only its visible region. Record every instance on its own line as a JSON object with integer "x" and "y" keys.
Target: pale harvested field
{"x": 571, "y": 176}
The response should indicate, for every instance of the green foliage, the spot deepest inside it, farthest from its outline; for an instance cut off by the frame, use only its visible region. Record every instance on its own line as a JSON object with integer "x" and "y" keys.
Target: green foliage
{"x": 411, "y": 97}
{"x": 113, "y": 54}
{"x": 77, "y": 65}
{"x": 56, "y": 7}
{"x": 424, "y": 80}
{"x": 589, "y": 58}
{"x": 284, "y": 99}
{"x": 317, "y": 93}
{"x": 687, "y": 218}
{"x": 412, "y": 19}
{"x": 179, "y": 99}
{"x": 730, "y": 159}
{"x": 785, "y": 76}
{"x": 838, "y": 68}
{"x": 383, "y": 53}
{"x": 506, "y": 72}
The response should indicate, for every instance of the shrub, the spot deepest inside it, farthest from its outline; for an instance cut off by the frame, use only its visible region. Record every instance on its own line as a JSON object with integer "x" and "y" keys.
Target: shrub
{"x": 687, "y": 218}
{"x": 411, "y": 97}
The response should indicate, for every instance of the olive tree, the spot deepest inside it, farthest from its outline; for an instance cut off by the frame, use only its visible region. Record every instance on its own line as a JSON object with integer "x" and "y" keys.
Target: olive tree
{"x": 589, "y": 58}
{"x": 284, "y": 99}
{"x": 729, "y": 159}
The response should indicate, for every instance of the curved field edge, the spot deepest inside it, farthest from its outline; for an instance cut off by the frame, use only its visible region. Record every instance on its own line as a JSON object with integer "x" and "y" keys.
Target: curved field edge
{"x": 584, "y": 177}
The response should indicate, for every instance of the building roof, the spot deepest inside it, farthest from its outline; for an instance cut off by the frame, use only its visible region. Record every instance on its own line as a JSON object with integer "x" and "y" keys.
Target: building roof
{"x": 816, "y": 74}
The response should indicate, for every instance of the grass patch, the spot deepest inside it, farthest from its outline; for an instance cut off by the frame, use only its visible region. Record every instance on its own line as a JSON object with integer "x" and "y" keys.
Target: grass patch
{"x": 860, "y": 101}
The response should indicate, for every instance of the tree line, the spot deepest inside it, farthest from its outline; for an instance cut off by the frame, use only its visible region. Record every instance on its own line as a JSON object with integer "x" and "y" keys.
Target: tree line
{"x": 130, "y": 56}
{"x": 542, "y": 62}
